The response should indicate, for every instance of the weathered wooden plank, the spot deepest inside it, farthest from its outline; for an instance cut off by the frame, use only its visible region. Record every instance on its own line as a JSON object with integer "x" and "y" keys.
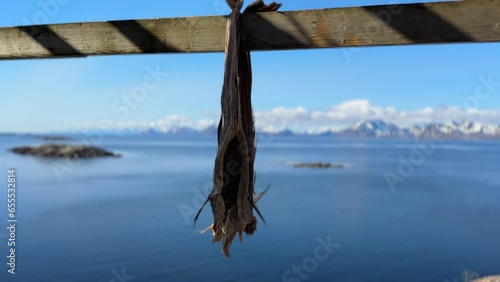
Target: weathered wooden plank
{"x": 445, "y": 22}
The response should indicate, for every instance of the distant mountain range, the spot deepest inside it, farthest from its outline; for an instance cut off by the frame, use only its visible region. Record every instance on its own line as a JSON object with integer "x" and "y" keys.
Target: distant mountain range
{"x": 451, "y": 130}
{"x": 365, "y": 129}
{"x": 370, "y": 129}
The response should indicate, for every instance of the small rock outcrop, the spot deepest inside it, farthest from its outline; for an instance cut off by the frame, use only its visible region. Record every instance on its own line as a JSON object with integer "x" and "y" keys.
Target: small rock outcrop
{"x": 318, "y": 165}
{"x": 49, "y": 137}
{"x": 64, "y": 151}
{"x": 55, "y": 138}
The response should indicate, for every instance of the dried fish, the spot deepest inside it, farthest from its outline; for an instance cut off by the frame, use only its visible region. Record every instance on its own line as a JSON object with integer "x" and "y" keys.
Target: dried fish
{"x": 232, "y": 199}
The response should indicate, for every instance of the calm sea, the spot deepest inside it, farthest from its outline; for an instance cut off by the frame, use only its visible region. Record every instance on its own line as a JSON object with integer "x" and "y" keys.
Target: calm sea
{"x": 130, "y": 218}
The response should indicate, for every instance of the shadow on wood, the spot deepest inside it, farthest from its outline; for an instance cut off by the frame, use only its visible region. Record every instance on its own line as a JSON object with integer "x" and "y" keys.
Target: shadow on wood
{"x": 51, "y": 41}
{"x": 419, "y": 23}
{"x": 142, "y": 38}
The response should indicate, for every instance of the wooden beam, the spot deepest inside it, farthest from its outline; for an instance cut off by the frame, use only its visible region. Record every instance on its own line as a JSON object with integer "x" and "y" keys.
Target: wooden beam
{"x": 444, "y": 22}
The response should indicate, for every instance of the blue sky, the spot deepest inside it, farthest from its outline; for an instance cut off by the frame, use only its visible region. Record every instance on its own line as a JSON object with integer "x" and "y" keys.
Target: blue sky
{"x": 298, "y": 86}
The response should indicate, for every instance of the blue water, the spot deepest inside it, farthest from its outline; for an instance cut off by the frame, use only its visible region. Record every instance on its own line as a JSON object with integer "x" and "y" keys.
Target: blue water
{"x": 104, "y": 218}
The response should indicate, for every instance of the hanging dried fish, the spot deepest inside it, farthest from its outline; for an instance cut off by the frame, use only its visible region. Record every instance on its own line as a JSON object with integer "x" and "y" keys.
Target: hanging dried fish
{"x": 233, "y": 199}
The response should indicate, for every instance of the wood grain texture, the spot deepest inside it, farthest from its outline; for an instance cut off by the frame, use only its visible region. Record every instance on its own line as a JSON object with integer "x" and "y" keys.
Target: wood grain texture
{"x": 445, "y": 22}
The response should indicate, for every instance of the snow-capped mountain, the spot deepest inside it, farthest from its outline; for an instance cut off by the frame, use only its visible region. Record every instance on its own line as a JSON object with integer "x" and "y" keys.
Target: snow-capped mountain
{"x": 373, "y": 129}
{"x": 363, "y": 129}
{"x": 211, "y": 130}
{"x": 456, "y": 130}
{"x": 181, "y": 130}
{"x": 451, "y": 130}
{"x": 285, "y": 132}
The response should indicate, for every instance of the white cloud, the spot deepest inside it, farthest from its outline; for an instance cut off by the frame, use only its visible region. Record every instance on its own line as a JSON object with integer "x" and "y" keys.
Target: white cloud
{"x": 281, "y": 117}
{"x": 350, "y": 112}
{"x": 339, "y": 116}
{"x": 171, "y": 122}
